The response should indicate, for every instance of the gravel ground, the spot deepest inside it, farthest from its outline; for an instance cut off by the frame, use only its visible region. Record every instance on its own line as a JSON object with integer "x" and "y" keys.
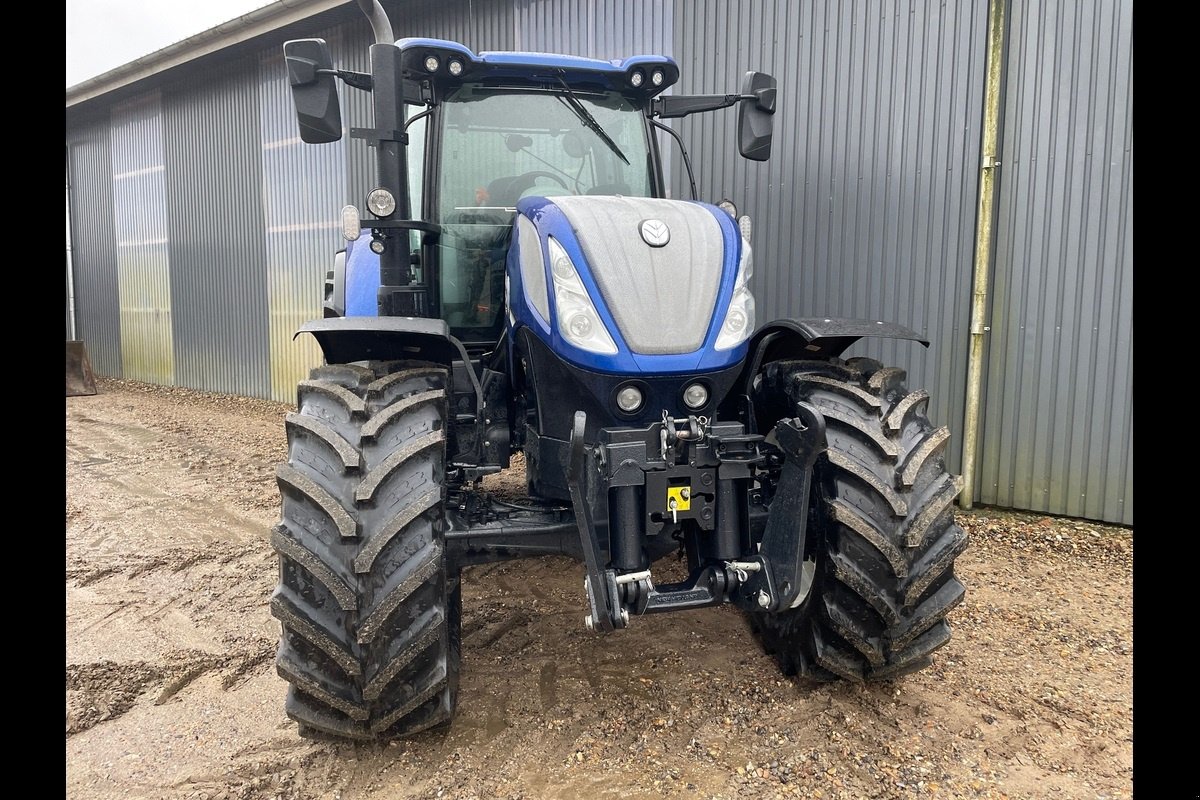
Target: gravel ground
{"x": 172, "y": 693}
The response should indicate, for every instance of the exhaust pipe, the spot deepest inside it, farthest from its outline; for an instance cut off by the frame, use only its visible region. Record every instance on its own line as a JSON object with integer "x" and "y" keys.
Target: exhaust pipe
{"x": 380, "y": 24}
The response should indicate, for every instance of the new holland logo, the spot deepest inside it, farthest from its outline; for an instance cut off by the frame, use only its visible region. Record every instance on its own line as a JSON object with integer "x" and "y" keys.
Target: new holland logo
{"x": 655, "y": 232}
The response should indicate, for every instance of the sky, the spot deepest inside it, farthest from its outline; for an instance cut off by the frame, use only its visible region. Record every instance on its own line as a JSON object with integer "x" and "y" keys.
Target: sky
{"x": 103, "y": 34}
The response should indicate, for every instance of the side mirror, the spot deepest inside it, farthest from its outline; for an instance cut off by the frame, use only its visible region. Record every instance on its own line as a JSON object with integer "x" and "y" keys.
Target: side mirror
{"x": 756, "y": 117}
{"x": 311, "y": 74}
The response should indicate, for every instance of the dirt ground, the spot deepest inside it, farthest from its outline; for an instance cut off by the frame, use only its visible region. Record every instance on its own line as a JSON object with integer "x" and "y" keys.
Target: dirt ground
{"x": 172, "y": 691}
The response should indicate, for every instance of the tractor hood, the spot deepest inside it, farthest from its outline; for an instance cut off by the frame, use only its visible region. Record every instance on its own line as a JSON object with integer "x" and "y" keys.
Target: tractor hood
{"x": 657, "y": 263}
{"x": 660, "y": 276}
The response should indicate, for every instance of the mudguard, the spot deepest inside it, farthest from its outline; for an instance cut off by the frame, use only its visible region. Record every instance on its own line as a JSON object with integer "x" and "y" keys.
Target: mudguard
{"x": 820, "y": 337}
{"x": 347, "y": 339}
{"x": 344, "y": 340}
{"x": 809, "y": 337}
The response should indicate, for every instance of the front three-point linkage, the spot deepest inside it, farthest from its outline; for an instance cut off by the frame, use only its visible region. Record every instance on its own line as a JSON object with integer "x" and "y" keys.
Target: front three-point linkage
{"x": 774, "y": 578}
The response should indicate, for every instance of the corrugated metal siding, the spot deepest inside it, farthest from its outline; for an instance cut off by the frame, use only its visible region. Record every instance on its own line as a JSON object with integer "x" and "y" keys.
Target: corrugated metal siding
{"x": 302, "y": 192}
{"x": 140, "y": 222}
{"x": 350, "y": 50}
{"x": 217, "y": 241}
{"x": 1058, "y": 412}
{"x": 596, "y": 28}
{"x": 69, "y": 331}
{"x": 866, "y": 208}
{"x": 479, "y": 24}
{"x": 94, "y": 245}
{"x": 70, "y": 277}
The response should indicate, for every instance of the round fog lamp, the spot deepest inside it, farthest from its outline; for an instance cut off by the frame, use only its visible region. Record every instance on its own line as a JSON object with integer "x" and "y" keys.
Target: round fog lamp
{"x": 431, "y": 63}
{"x": 636, "y": 78}
{"x": 377, "y": 246}
{"x": 580, "y": 325}
{"x": 695, "y": 395}
{"x": 381, "y": 203}
{"x": 562, "y": 267}
{"x": 629, "y": 399}
{"x": 657, "y": 78}
{"x": 455, "y": 68}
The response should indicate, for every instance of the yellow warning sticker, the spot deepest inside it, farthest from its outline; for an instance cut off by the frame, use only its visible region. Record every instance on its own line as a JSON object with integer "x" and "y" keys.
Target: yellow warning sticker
{"x": 682, "y": 497}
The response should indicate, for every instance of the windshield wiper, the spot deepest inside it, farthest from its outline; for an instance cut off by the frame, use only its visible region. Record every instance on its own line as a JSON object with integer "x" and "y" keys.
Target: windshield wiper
{"x": 572, "y": 102}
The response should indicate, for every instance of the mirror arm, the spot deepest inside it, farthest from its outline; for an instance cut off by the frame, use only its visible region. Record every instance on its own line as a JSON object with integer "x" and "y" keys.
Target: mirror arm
{"x": 359, "y": 80}
{"x": 684, "y": 104}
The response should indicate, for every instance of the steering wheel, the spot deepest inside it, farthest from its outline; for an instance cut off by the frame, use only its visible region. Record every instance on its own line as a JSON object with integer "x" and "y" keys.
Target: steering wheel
{"x": 526, "y": 180}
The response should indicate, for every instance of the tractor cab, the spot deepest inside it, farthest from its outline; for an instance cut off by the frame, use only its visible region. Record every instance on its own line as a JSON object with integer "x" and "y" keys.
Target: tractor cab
{"x": 506, "y": 126}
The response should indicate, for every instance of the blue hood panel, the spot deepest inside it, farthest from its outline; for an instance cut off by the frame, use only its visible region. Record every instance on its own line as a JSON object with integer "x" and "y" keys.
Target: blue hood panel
{"x": 550, "y": 220}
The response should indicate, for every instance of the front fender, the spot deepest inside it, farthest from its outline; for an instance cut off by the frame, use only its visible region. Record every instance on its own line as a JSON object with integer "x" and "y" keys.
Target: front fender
{"x": 344, "y": 340}
{"x": 818, "y": 338}
{"x": 347, "y": 339}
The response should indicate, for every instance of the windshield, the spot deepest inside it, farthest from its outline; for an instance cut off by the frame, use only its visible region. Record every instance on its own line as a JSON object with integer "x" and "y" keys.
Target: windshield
{"x": 500, "y": 145}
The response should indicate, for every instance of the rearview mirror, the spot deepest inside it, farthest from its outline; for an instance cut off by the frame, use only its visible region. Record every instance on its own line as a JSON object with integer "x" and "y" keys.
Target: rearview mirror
{"x": 311, "y": 75}
{"x": 756, "y": 117}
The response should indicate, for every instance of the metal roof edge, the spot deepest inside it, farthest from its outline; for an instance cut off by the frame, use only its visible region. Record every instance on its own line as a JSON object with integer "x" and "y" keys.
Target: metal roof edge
{"x": 255, "y": 23}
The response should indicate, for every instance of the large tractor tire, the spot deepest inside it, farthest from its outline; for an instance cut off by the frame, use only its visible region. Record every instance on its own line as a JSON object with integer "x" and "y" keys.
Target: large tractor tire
{"x": 881, "y": 537}
{"x": 370, "y": 617}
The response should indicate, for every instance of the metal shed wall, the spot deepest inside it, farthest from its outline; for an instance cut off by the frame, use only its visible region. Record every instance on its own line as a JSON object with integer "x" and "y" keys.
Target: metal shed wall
{"x": 866, "y": 207}
{"x": 94, "y": 244}
{"x": 596, "y": 28}
{"x": 139, "y": 218}
{"x": 217, "y": 237}
{"x": 1057, "y": 431}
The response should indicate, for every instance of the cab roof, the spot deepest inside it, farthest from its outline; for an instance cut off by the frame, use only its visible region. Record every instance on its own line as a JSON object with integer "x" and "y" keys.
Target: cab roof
{"x": 633, "y": 74}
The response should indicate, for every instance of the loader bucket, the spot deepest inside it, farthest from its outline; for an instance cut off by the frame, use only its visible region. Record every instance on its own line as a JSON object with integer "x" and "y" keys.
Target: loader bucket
{"x": 80, "y": 379}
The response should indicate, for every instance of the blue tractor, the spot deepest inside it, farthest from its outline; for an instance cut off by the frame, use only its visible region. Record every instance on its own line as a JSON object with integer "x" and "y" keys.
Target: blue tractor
{"x": 522, "y": 285}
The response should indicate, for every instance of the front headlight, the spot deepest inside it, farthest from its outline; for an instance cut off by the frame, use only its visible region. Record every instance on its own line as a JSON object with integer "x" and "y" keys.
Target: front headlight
{"x": 739, "y": 319}
{"x": 576, "y": 315}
